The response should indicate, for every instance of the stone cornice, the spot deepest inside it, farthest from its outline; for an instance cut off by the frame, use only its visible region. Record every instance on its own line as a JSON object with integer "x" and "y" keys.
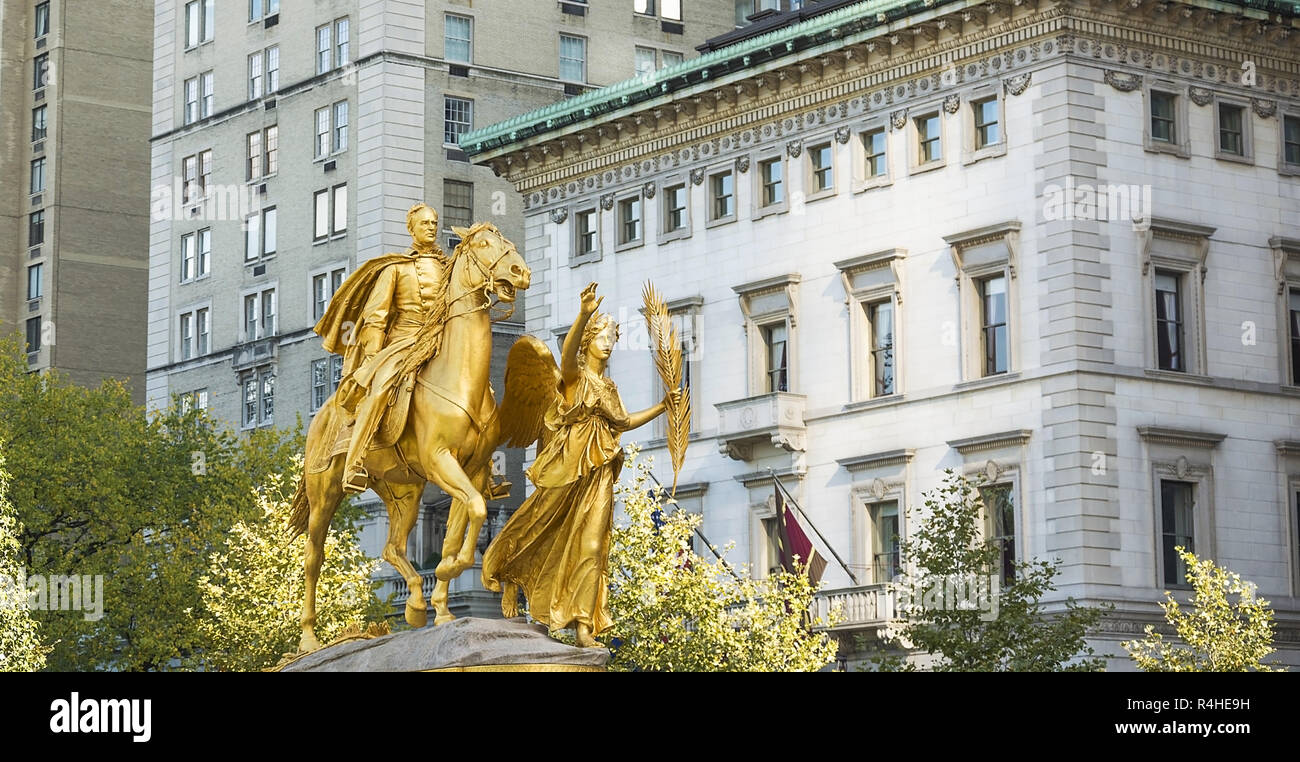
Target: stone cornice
{"x": 1287, "y": 447}
{"x": 1180, "y": 437}
{"x": 768, "y": 284}
{"x": 877, "y": 460}
{"x": 983, "y": 235}
{"x": 1015, "y": 438}
{"x": 870, "y": 261}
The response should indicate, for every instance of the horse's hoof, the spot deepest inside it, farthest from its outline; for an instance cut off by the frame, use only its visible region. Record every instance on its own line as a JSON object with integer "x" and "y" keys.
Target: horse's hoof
{"x": 308, "y": 643}
{"x": 443, "y": 618}
{"x": 416, "y": 617}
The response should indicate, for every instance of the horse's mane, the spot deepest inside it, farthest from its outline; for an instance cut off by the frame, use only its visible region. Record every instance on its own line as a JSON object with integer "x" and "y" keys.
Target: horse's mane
{"x": 428, "y": 342}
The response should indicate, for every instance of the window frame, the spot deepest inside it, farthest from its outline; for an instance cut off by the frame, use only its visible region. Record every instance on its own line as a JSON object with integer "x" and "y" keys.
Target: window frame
{"x": 1283, "y": 166}
{"x": 333, "y": 367}
{"x": 258, "y": 294}
{"x": 561, "y": 58}
{"x": 862, "y": 181}
{"x": 39, "y": 19}
{"x": 325, "y": 274}
{"x": 1183, "y": 456}
{"x": 37, "y": 175}
{"x": 198, "y": 313}
{"x": 978, "y": 255}
{"x": 1247, "y": 155}
{"x": 666, "y": 192}
{"x": 446, "y": 36}
{"x": 259, "y": 377}
{"x": 712, "y": 218}
{"x": 341, "y": 50}
{"x": 915, "y": 164}
{"x": 38, "y": 270}
{"x": 810, "y": 180}
{"x": 265, "y": 233}
{"x": 871, "y": 279}
{"x": 42, "y": 124}
{"x": 577, "y": 255}
{"x": 1183, "y": 254}
{"x": 1180, "y": 145}
{"x": 1286, "y": 261}
{"x": 972, "y": 151}
{"x": 447, "y": 122}
{"x": 621, "y": 243}
{"x": 770, "y": 157}
{"x": 765, "y": 303}
{"x": 324, "y": 65}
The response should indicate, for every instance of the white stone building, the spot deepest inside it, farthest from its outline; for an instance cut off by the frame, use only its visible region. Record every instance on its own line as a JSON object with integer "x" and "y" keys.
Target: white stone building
{"x": 1055, "y": 243}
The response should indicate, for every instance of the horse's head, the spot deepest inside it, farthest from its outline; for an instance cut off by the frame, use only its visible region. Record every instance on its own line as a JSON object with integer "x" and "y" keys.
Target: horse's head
{"x": 501, "y": 269}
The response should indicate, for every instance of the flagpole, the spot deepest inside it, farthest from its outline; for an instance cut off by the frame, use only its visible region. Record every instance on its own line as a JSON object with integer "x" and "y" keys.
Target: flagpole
{"x": 700, "y": 532}
{"x": 816, "y": 531}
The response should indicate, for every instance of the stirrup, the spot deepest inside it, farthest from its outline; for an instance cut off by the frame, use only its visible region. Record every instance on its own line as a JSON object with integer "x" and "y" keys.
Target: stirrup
{"x": 355, "y": 481}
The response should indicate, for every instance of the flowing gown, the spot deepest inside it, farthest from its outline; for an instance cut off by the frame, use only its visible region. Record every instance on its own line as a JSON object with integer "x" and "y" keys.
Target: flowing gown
{"x": 556, "y": 546}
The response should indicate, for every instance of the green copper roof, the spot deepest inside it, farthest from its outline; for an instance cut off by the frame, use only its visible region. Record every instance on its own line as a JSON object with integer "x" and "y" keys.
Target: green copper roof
{"x": 771, "y": 46}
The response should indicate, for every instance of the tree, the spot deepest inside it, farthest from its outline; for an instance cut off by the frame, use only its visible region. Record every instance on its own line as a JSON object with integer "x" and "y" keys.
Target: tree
{"x": 1220, "y": 635}
{"x": 951, "y": 556}
{"x": 675, "y": 611}
{"x": 254, "y": 584}
{"x": 20, "y": 647}
{"x": 136, "y": 501}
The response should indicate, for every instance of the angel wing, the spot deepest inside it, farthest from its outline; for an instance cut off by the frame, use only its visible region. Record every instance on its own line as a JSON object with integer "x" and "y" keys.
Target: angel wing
{"x": 532, "y": 381}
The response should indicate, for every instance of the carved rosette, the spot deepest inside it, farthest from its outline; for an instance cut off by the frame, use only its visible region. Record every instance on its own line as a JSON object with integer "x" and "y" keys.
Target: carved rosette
{"x": 1199, "y": 95}
{"x": 742, "y": 164}
{"x": 1264, "y": 109}
{"x": 648, "y": 190}
{"x": 898, "y": 118}
{"x": 697, "y": 176}
{"x": 951, "y": 104}
{"x": 842, "y": 135}
{"x": 794, "y": 148}
{"x": 558, "y": 216}
{"x": 1125, "y": 83}
{"x": 1017, "y": 84}
{"x": 607, "y": 201}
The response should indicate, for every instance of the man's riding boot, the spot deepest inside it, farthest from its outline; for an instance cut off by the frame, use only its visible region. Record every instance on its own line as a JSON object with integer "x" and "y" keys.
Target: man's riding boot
{"x": 355, "y": 479}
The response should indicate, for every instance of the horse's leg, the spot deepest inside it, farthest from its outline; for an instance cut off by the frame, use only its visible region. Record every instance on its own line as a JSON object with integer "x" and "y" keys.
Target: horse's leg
{"x": 468, "y": 510}
{"x": 403, "y": 501}
{"x": 323, "y": 496}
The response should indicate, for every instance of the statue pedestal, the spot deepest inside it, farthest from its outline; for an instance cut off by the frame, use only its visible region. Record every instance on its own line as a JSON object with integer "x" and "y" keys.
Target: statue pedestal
{"x": 462, "y": 645}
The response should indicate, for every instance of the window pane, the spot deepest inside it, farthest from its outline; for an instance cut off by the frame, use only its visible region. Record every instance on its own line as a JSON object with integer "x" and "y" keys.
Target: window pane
{"x": 322, "y": 214}
{"x": 1162, "y": 116}
{"x": 1169, "y": 322}
{"x": 322, "y": 131}
{"x": 205, "y": 330}
{"x": 268, "y": 397}
{"x": 250, "y": 401}
{"x": 342, "y": 43}
{"x": 252, "y": 237}
{"x": 775, "y": 337}
{"x": 341, "y": 126}
{"x": 38, "y": 123}
{"x": 573, "y": 58}
{"x": 188, "y": 257}
{"x": 34, "y": 285}
{"x": 645, "y": 61}
{"x": 457, "y": 204}
{"x": 273, "y": 69}
{"x": 209, "y": 30}
{"x": 38, "y": 176}
{"x": 268, "y": 231}
{"x": 323, "y": 49}
{"x": 205, "y": 251}
{"x": 458, "y": 119}
{"x": 193, "y": 21}
{"x": 456, "y": 42}
{"x": 340, "y": 208}
{"x": 1230, "y": 134}
{"x": 995, "y": 338}
{"x": 671, "y": 9}
{"x": 881, "y": 322}
{"x": 272, "y": 142}
{"x": 1176, "y": 509}
{"x": 33, "y": 327}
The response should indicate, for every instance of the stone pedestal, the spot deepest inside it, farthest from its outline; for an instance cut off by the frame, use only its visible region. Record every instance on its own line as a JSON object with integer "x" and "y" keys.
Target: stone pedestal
{"x": 463, "y": 645}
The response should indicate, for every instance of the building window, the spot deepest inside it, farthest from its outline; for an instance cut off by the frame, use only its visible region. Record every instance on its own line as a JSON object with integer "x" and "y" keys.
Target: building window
{"x": 36, "y": 228}
{"x": 42, "y": 19}
{"x": 199, "y": 97}
{"x": 457, "y": 205}
{"x": 770, "y": 175}
{"x": 263, "y": 153}
{"x": 671, "y": 9}
{"x": 191, "y": 100}
{"x": 323, "y": 287}
{"x": 259, "y": 9}
{"x": 775, "y": 339}
{"x": 272, "y": 56}
{"x": 722, "y": 196}
{"x": 256, "y": 155}
{"x": 1000, "y": 527}
{"x": 259, "y": 315}
{"x": 260, "y": 235}
{"x": 39, "y": 123}
{"x": 1293, "y": 320}
{"x": 255, "y": 76}
{"x": 820, "y": 161}
{"x": 629, "y": 220}
{"x": 38, "y": 175}
{"x": 585, "y": 238}
{"x": 1164, "y": 122}
{"x": 342, "y": 43}
{"x": 884, "y": 542}
{"x": 1230, "y": 129}
{"x": 573, "y": 58}
{"x": 331, "y": 129}
{"x": 880, "y": 327}
{"x": 195, "y": 332}
{"x": 330, "y": 209}
{"x": 1291, "y": 140}
{"x": 40, "y": 71}
{"x": 646, "y": 60}
{"x": 322, "y": 132}
{"x": 200, "y": 22}
{"x": 196, "y": 172}
{"x": 987, "y": 129}
{"x": 189, "y": 256}
{"x": 646, "y": 7}
{"x": 326, "y": 374}
{"x": 323, "y": 48}
{"x": 675, "y": 208}
{"x": 873, "y": 148}
{"x": 1177, "y": 501}
{"x": 458, "y": 39}
{"x": 928, "y": 136}
{"x": 670, "y": 58}
{"x": 993, "y": 324}
{"x": 33, "y": 328}
{"x": 340, "y": 126}
{"x": 259, "y": 398}
{"x": 195, "y": 400}
{"x": 458, "y": 119}
{"x": 35, "y": 288}
{"x": 1169, "y": 321}
{"x": 204, "y": 253}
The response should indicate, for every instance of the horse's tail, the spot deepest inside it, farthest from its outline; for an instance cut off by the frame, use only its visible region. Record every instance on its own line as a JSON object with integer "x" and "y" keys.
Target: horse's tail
{"x": 300, "y": 509}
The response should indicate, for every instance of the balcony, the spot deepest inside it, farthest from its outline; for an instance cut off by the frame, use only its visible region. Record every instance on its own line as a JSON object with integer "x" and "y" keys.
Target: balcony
{"x": 775, "y": 418}
{"x": 253, "y": 353}
{"x": 866, "y": 607}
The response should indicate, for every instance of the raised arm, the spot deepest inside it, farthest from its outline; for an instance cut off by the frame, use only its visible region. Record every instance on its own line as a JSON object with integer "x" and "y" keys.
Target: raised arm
{"x": 569, "y": 355}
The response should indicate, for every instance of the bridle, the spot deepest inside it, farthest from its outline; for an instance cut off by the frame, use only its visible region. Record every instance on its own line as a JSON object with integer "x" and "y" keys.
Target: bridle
{"x": 488, "y": 287}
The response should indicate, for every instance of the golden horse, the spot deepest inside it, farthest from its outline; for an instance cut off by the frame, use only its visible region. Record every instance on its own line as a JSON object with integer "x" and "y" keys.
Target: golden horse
{"x": 448, "y": 438}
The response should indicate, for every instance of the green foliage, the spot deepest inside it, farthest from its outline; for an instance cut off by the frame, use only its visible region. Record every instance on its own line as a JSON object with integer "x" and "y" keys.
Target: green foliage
{"x": 253, "y": 589}
{"x": 20, "y": 646}
{"x": 949, "y": 543}
{"x": 101, "y": 488}
{"x": 1220, "y": 635}
{"x": 675, "y": 611}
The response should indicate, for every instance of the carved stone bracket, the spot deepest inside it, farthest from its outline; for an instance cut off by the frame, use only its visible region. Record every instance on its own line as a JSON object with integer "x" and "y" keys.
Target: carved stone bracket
{"x": 1264, "y": 109}
{"x": 558, "y": 216}
{"x": 842, "y": 135}
{"x": 951, "y": 104}
{"x": 898, "y": 118}
{"x": 1017, "y": 84}
{"x": 607, "y": 201}
{"x": 1125, "y": 83}
{"x": 742, "y": 164}
{"x": 1199, "y": 95}
{"x": 648, "y": 190}
{"x": 697, "y": 176}
{"x": 794, "y": 148}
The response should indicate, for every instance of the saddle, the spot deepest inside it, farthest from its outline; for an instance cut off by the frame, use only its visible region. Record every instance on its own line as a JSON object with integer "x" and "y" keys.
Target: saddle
{"x": 391, "y": 425}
